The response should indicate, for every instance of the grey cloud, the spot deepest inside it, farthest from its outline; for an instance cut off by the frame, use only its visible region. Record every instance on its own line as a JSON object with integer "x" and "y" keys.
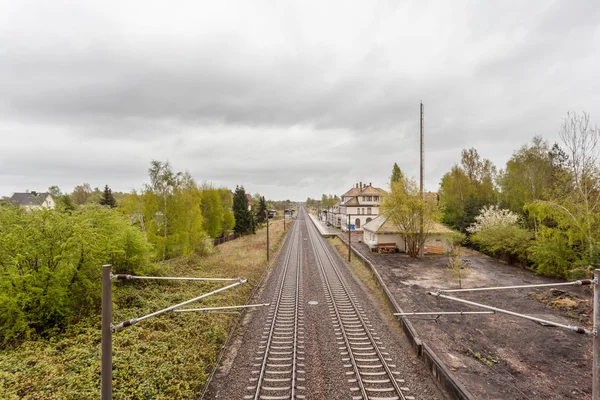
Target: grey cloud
{"x": 294, "y": 101}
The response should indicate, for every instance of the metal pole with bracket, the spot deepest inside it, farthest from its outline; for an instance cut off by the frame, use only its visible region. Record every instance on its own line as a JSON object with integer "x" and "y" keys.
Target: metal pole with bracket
{"x": 106, "y": 360}
{"x": 596, "y": 339}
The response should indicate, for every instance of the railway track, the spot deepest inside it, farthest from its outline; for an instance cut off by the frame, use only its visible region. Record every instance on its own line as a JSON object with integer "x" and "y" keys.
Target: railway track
{"x": 368, "y": 366}
{"x": 280, "y": 363}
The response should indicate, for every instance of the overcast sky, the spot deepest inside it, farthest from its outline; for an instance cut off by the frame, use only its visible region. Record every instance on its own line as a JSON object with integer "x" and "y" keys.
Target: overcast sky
{"x": 290, "y": 99}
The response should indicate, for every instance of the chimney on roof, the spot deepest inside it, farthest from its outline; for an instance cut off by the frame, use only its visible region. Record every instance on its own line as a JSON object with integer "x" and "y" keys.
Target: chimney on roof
{"x": 361, "y": 186}
{"x": 357, "y": 185}
{"x": 370, "y": 184}
{"x": 33, "y": 192}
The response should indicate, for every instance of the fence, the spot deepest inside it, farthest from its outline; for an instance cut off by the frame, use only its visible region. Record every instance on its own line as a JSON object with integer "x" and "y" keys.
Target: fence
{"x": 223, "y": 239}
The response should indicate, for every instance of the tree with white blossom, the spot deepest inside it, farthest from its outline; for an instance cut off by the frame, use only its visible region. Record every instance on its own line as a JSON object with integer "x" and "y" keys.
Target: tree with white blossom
{"x": 498, "y": 232}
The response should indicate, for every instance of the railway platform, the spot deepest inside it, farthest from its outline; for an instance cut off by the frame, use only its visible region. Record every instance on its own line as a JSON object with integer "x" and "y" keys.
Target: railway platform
{"x": 324, "y": 230}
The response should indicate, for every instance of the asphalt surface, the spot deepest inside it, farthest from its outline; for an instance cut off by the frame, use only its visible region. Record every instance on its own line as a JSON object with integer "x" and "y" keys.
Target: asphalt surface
{"x": 321, "y": 367}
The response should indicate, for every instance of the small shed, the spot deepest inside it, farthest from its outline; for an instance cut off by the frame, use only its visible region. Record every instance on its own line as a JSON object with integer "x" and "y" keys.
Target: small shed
{"x": 382, "y": 231}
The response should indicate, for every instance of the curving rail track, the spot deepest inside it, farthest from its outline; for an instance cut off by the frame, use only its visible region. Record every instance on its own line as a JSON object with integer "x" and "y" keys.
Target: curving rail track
{"x": 280, "y": 364}
{"x": 369, "y": 368}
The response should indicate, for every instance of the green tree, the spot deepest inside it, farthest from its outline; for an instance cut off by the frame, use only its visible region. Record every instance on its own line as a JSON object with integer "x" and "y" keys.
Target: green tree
{"x": 405, "y": 207}
{"x": 529, "y": 175}
{"x": 397, "y": 175}
{"x": 227, "y": 203}
{"x": 261, "y": 213}
{"x": 82, "y": 194}
{"x": 55, "y": 191}
{"x": 455, "y": 190}
{"x": 572, "y": 208}
{"x": 107, "y": 198}
{"x": 162, "y": 183}
{"x": 244, "y": 220}
{"x": 470, "y": 183}
{"x": 212, "y": 211}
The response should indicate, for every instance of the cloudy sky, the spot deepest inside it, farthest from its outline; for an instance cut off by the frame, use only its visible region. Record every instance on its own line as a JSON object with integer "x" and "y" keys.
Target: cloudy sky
{"x": 290, "y": 99}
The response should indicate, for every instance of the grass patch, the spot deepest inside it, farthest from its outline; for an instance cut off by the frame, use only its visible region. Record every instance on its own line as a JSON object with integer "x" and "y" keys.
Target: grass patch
{"x": 364, "y": 273}
{"x": 167, "y": 357}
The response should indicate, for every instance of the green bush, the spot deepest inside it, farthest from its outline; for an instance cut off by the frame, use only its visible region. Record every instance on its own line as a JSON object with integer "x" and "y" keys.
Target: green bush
{"x": 551, "y": 253}
{"x": 504, "y": 242}
{"x": 50, "y": 265}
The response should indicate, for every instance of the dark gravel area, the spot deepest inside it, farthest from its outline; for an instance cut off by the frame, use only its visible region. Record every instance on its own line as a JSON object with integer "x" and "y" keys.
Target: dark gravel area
{"x": 497, "y": 356}
{"x": 325, "y": 373}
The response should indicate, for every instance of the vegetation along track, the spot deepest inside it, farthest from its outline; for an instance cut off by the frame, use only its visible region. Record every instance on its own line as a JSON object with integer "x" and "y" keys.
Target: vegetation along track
{"x": 367, "y": 362}
{"x": 281, "y": 357}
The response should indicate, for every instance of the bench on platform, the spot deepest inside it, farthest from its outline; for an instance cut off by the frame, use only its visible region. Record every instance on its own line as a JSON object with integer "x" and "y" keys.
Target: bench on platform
{"x": 385, "y": 248}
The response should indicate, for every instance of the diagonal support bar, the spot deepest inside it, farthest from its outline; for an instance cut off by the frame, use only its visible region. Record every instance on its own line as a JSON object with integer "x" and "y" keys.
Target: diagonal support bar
{"x": 582, "y": 282}
{"x": 133, "y": 321}
{"x": 126, "y": 277}
{"x": 577, "y": 329}
{"x": 222, "y": 308}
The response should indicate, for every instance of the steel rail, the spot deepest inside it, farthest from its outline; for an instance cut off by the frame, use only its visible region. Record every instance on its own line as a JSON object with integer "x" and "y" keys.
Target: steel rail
{"x": 295, "y": 348}
{"x": 263, "y": 367}
{"x": 344, "y": 286}
{"x": 233, "y": 329}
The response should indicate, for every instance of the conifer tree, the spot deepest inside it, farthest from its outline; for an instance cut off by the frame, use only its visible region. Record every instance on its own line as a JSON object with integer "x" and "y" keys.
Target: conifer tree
{"x": 261, "y": 213}
{"x": 107, "y": 198}
{"x": 397, "y": 175}
{"x": 244, "y": 220}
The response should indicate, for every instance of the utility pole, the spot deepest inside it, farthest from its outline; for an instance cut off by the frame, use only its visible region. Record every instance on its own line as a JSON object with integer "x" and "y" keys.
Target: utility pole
{"x": 106, "y": 357}
{"x": 596, "y": 339}
{"x": 267, "y": 238}
{"x": 349, "y": 238}
{"x": 421, "y": 233}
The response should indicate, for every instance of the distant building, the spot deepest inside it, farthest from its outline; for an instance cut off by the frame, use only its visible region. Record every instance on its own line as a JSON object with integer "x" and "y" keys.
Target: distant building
{"x": 249, "y": 198}
{"x": 359, "y": 206}
{"x": 33, "y": 200}
{"x": 381, "y": 230}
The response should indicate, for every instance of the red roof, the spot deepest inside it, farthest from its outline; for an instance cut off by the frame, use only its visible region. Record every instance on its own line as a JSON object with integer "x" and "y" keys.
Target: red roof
{"x": 249, "y": 199}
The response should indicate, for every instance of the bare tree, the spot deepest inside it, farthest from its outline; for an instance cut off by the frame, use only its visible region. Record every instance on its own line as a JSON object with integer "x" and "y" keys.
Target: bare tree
{"x": 582, "y": 144}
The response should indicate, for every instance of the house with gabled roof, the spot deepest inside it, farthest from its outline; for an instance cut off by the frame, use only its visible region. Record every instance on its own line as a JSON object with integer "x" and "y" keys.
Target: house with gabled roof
{"x": 359, "y": 205}
{"x": 33, "y": 200}
{"x": 382, "y": 230}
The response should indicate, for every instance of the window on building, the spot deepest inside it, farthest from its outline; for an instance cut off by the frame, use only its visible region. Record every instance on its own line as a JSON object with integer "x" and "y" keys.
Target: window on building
{"x": 376, "y": 198}
{"x": 357, "y": 223}
{"x": 369, "y": 210}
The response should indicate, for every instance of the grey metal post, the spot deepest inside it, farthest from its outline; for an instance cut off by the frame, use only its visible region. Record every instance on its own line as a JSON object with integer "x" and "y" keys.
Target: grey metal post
{"x": 421, "y": 233}
{"x": 596, "y": 356}
{"x": 267, "y": 238}
{"x": 349, "y": 238}
{"x": 106, "y": 358}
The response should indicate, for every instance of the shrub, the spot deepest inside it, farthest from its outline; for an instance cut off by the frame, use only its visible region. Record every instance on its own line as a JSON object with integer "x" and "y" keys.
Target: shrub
{"x": 551, "y": 253}
{"x": 497, "y": 233}
{"x": 50, "y": 265}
